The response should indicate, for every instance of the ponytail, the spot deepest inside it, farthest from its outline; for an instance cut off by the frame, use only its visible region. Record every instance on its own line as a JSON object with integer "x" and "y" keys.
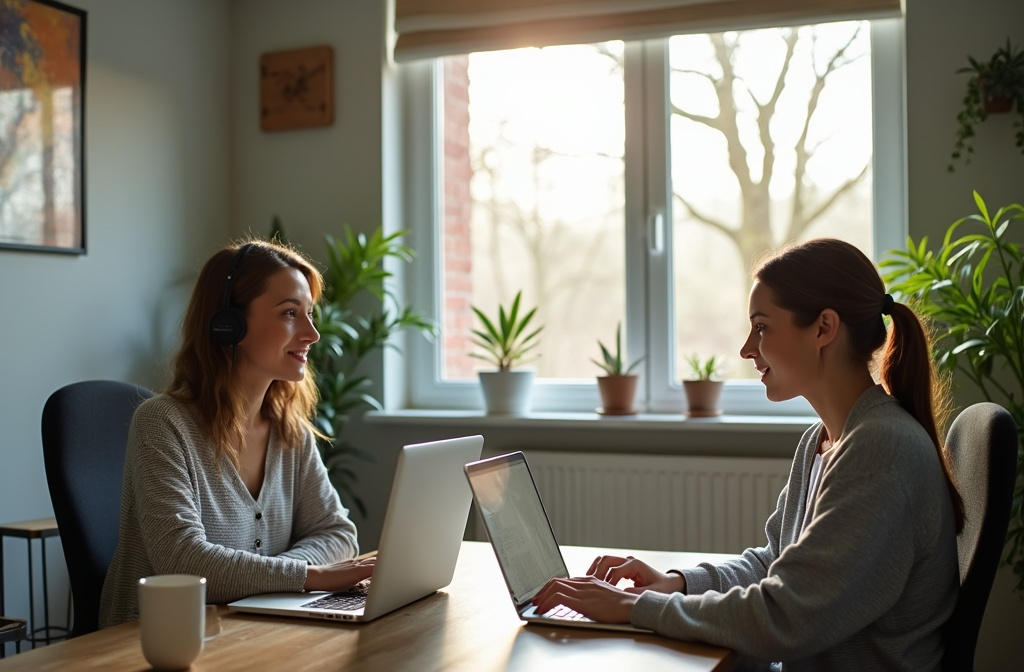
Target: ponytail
{"x": 908, "y": 374}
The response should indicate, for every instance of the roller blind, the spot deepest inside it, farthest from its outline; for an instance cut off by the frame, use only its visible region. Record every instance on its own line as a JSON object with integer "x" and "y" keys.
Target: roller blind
{"x": 430, "y": 28}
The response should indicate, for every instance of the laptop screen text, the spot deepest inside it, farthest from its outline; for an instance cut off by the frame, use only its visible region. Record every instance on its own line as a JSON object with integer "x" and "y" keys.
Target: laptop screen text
{"x": 518, "y": 527}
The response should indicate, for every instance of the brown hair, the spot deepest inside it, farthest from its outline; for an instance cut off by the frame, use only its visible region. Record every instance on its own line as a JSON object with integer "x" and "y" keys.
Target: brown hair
{"x": 202, "y": 370}
{"x": 807, "y": 278}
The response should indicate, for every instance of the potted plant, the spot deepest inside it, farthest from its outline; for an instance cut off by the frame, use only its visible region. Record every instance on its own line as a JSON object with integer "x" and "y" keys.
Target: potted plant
{"x": 506, "y": 342}
{"x": 971, "y": 289}
{"x": 994, "y": 87}
{"x": 355, "y": 268}
{"x": 618, "y": 386}
{"x": 703, "y": 389}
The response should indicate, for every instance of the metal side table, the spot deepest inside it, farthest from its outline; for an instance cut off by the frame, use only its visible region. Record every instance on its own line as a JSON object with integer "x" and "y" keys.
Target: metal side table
{"x": 41, "y": 529}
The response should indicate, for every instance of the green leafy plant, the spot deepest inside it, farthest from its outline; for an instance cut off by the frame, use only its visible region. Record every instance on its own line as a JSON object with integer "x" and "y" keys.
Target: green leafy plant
{"x": 505, "y": 340}
{"x": 971, "y": 289}
{"x": 1001, "y": 77}
{"x": 347, "y": 337}
{"x": 613, "y": 364}
{"x": 705, "y": 369}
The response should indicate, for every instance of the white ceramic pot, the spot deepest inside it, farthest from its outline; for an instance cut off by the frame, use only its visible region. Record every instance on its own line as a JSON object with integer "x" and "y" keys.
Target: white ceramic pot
{"x": 507, "y": 392}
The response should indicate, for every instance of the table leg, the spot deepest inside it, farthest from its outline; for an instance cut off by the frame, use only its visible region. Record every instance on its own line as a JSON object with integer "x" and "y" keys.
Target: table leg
{"x": 46, "y": 595}
{"x": 3, "y": 606}
{"x": 3, "y": 603}
{"x": 31, "y": 598}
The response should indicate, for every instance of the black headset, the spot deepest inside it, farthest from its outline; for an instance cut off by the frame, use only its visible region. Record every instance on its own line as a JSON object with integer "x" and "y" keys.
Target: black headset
{"x": 227, "y": 326}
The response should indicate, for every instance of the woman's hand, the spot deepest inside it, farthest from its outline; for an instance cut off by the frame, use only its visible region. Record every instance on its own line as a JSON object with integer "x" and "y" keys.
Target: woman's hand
{"x": 613, "y": 569}
{"x": 595, "y": 599}
{"x": 338, "y": 575}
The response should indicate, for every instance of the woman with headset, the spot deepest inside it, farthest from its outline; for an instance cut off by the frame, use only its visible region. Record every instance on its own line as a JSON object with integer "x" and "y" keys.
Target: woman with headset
{"x": 859, "y": 570}
{"x": 222, "y": 475}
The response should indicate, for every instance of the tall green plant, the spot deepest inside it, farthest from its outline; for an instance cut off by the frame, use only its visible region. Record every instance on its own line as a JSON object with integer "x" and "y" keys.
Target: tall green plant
{"x": 972, "y": 291}
{"x": 347, "y": 336}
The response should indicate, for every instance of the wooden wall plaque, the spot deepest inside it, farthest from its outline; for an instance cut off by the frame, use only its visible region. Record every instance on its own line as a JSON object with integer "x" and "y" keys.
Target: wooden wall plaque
{"x": 297, "y": 89}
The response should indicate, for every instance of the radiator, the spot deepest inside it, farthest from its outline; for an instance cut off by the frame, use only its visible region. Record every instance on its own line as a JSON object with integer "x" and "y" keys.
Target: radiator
{"x": 658, "y": 502}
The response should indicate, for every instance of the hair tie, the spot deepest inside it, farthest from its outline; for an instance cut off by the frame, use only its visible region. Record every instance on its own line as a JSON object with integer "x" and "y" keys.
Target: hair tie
{"x": 887, "y": 304}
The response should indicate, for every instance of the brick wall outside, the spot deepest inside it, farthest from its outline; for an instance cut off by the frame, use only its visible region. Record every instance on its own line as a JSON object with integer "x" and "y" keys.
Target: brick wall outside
{"x": 457, "y": 267}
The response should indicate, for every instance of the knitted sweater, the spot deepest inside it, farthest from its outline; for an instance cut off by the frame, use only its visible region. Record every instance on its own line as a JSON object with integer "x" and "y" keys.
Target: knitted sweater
{"x": 185, "y": 512}
{"x": 869, "y": 582}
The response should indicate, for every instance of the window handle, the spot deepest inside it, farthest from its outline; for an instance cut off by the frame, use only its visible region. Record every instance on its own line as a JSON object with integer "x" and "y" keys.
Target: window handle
{"x": 656, "y": 232}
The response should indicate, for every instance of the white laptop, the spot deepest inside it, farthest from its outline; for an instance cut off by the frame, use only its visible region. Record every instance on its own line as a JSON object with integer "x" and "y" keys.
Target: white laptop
{"x": 520, "y": 533}
{"x": 419, "y": 544}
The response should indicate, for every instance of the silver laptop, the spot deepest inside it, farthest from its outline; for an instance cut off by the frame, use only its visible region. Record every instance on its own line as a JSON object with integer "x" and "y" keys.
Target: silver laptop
{"x": 520, "y": 533}
{"x": 419, "y": 544}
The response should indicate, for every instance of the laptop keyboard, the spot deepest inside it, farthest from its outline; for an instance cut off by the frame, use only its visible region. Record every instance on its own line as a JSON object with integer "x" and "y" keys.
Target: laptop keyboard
{"x": 564, "y": 613}
{"x": 345, "y": 600}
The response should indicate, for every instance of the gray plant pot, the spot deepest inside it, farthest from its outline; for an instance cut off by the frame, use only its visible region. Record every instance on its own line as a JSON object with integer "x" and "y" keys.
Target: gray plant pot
{"x": 507, "y": 392}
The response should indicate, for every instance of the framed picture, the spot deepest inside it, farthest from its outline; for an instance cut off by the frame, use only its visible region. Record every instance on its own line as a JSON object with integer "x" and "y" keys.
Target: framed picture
{"x": 42, "y": 124}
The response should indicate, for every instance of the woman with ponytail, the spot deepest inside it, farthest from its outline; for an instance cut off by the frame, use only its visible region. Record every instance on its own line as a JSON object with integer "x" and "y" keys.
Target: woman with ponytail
{"x": 860, "y": 566}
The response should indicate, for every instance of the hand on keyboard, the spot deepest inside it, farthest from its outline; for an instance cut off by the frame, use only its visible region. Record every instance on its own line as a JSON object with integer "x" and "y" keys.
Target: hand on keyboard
{"x": 613, "y": 569}
{"x": 595, "y": 599}
{"x": 339, "y": 575}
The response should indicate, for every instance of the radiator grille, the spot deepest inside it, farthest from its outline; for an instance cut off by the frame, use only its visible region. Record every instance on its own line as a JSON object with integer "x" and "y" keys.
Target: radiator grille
{"x": 658, "y": 502}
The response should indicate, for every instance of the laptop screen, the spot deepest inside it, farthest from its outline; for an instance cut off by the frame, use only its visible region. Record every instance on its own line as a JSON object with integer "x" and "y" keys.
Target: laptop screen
{"x": 516, "y": 523}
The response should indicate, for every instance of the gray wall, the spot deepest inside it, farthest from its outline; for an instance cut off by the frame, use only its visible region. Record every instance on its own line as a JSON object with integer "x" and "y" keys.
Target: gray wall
{"x": 940, "y": 34}
{"x": 177, "y": 164}
{"x": 157, "y": 178}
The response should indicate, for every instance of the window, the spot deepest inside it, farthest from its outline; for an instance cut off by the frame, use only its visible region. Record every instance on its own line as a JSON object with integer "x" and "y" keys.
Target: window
{"x": 636, "y": 183}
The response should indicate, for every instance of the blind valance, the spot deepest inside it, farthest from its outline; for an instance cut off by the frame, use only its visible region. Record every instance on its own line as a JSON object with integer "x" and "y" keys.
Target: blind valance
{"x": 430, "y": 28}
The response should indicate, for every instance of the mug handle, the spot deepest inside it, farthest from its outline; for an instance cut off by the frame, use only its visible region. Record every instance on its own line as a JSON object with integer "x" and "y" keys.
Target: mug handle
{"x": 212, "y": 623}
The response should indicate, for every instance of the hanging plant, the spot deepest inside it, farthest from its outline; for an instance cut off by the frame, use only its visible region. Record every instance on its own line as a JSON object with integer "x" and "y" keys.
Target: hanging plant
{"x": 995, "y": 86}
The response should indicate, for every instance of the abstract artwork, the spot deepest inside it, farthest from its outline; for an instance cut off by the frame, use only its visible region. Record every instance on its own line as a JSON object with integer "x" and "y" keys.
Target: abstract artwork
{"x": 42, "y": 91}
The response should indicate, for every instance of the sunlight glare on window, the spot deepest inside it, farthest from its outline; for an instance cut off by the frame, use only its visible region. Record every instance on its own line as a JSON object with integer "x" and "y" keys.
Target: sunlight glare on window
{"x": 533, "y": 199}
{"x": 771, "y": 143}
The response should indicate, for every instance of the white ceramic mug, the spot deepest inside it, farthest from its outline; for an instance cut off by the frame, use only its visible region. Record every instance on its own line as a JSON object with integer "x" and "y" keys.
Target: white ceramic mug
{"x": 172, "y": 619}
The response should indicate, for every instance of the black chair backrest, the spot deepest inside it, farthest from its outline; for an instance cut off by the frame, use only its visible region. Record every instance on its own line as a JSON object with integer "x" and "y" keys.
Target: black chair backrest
{"x": 85, "y": 431}
{"x": 982, "y": 443}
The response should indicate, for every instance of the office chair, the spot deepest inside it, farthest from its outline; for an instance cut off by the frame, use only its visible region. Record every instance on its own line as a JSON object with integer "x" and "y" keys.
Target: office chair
{"x": 85, "y": 431}
{"x": 982, "y": 443}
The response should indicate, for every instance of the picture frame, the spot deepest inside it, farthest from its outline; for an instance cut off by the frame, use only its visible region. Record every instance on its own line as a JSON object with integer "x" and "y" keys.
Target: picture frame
{"x": 42, "y": 126}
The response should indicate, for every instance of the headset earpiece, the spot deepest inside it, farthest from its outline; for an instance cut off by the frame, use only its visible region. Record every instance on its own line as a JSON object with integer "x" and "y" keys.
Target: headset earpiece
{"x": 227, "y": 326}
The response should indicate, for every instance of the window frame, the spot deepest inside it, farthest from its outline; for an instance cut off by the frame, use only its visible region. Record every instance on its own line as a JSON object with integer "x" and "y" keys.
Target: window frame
{"x": 648, "y": 196}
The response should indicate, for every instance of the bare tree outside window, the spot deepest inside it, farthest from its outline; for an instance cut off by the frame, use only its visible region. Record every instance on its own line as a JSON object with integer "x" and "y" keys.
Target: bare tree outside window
{"x": 770, "y": 142}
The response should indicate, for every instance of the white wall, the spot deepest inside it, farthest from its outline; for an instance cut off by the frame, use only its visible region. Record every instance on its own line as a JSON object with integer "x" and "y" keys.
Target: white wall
{"x": 315, "y": 179}
{"x": 940, "y": 36}
{"x": 157, "y": 202}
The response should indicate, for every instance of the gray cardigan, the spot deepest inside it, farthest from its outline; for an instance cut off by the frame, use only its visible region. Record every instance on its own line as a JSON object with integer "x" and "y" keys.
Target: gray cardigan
{"x": 183, "y": 512}
{"x": 867, "y": 585}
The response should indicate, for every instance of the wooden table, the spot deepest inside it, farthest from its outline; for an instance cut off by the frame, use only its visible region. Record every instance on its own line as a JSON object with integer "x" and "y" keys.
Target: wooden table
{"x": 470, "y": 625}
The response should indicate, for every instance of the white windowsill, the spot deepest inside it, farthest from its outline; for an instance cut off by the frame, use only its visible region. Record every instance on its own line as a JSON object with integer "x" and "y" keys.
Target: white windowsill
{"x": 594, "y": 421}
